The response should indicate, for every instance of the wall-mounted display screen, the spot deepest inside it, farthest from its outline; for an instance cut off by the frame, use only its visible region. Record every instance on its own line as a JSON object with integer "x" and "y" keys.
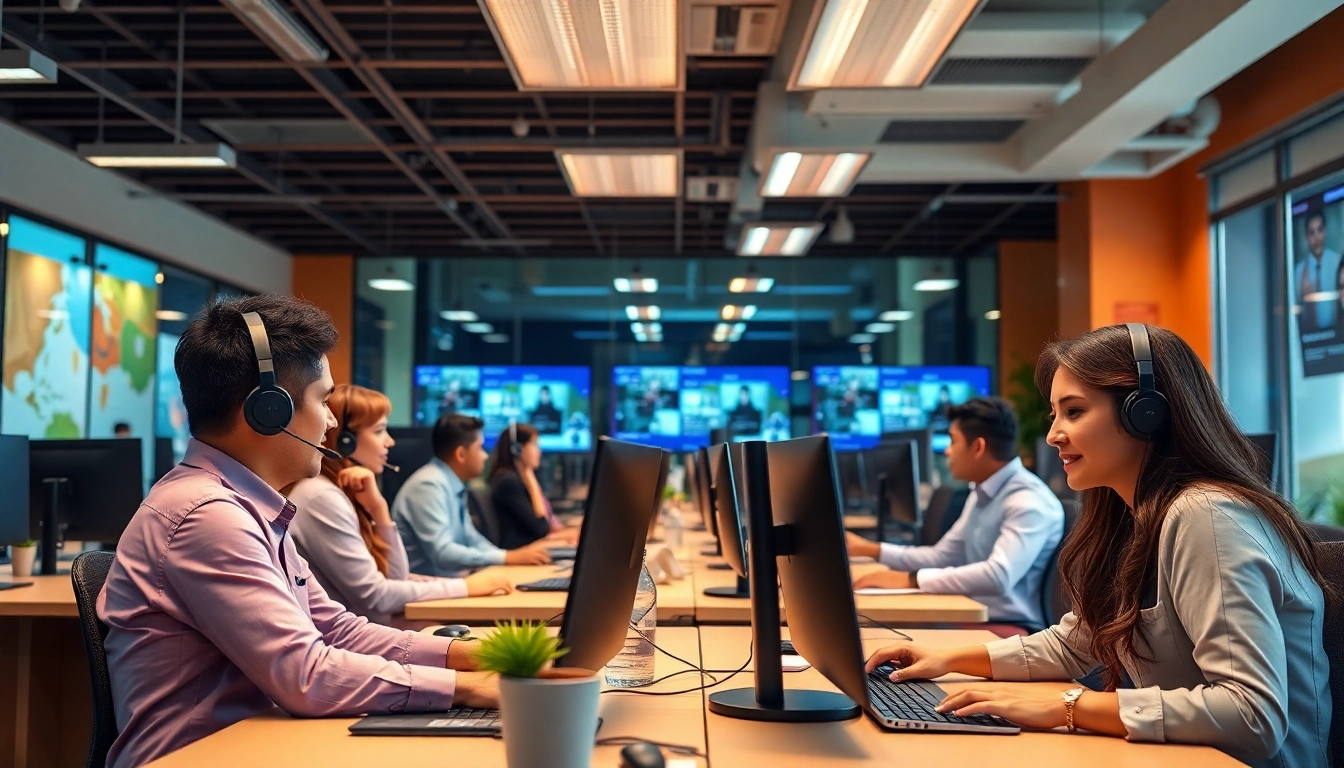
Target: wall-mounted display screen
{"x": 1317, "y": 239}
{"x": 856, "y": 405}
{"x": 557, "y": 400}
{"x": 682, "y": 408}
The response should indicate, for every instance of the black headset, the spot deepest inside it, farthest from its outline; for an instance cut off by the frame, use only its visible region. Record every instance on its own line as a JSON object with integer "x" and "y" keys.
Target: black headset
{"x": 346, "y": 441}
{"x": 1145, "y": 411}
{"x": 269, "y": 408}
{"x": 514, "y": 448}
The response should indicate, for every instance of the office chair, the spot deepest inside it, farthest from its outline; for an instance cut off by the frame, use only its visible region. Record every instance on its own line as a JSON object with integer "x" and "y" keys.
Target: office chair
{"x": 1054, "y": 598}
{"x": 88, "y": 573}
{"x": 1330, "y": 555}
{"x": 1327, "y": 532}
{"x": 944, "y": 508}
{"x": 482, "y": 511}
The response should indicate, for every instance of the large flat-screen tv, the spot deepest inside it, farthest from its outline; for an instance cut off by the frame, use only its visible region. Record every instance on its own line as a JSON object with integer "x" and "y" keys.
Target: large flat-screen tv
{"x": 557, "y": 400}
{"x": 856, "y": 405}
{"x": 682, "y": 408}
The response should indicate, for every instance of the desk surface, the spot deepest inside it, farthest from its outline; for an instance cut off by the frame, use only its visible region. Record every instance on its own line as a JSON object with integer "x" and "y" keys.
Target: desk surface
{"x": 676, "y": 601}
{"x": 277, "y": 739}
{"x": 48, "y": 596}
{"x": 901, "y": 609}
{"x": 861, "y": 742}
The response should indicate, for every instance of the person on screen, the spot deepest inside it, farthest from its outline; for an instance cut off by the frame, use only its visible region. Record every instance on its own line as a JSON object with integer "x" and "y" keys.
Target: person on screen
{"x": 940, "y": 416}
{"x": 1189, "y": 576}
{"x": 452, "y": 398}
{"x": 521, "y": 507}
{"x": 1000, "y": 547}
{"x": 546, "y": 417}
{"x": 344, "y": 529}
{"x": 431, "y": 509}
{"x": 744, "y": 420}
{"x": 1313, "y": 276}
{"x": 577, "y": 431}
{"x": 212, "y": 614}
{"x": 121, "y": 429}
{"x": 847, "y": 407}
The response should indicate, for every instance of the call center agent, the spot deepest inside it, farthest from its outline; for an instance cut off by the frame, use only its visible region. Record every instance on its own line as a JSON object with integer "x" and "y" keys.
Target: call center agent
{"x": 1187, "y": 572}
{"x": 431, "y": 508}
{"x": 212, "y": 614}
{"x": 343, "y": 527}
{"x": 523, "y": 511}
{"x": 1000, "y": 547}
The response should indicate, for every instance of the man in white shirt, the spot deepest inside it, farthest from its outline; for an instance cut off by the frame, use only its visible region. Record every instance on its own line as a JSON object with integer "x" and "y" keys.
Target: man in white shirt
{"x": 1317, "y": 277}
{"x": 1000, "y": 547}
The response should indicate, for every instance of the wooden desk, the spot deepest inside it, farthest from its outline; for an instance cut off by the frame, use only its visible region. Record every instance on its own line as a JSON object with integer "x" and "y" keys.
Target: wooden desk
{"x": 743, "y": 743}
{"x": 860, "y": 522}
{"x": 676, "y": 601}
{"x": 48, "y": 596}
{"x": 900, "y": 609}
{"x": 277, "y": 739}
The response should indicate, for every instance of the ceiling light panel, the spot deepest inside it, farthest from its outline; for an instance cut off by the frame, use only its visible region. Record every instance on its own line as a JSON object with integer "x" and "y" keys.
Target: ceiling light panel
{"x": 777, "y": 238}
{"x": 751, "y": 284}
{"x": 878, "y": 43}
{"x": 20, "y": 67}
{"x": 813, "y": 174}
{"x": 159, "y": 155}
{"x": 583, "y": 45}
{"x": 613, "y": 173}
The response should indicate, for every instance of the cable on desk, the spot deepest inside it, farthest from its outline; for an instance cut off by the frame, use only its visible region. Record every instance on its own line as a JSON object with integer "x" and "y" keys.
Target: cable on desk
{"x": 884, "y": 626}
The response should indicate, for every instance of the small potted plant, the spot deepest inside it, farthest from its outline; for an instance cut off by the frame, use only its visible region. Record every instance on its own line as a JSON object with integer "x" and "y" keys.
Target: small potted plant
{"x": 549, "y": 716}
{"x": 21, "y": 558}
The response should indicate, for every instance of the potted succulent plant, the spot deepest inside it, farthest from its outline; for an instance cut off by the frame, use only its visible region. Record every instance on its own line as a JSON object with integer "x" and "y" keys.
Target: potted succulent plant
{"x": 21, "y": 556}
{"x": 549, "y": 716}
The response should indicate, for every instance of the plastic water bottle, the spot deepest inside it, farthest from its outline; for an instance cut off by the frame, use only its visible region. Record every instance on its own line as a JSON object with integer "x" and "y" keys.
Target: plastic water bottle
{"x": 672, "y": 529}
{"x": 633, "y": 665}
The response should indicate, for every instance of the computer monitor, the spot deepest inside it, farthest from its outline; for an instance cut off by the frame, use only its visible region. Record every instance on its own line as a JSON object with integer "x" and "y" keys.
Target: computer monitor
{"x": 896, "y": 467}
{"x": 626, "y": 489}
{"x": 1268, "y": 445}
{"x": 797, "y": 539}
{"x": 14, "y": 521}
{"x": 923, "y": 449}
{"x": 85, "y": 490}
{"x": 851, "y": 482}
{"x": 705, "y": 486}
{"x": 413, "y": 450}
{"x": 727, "y": 518}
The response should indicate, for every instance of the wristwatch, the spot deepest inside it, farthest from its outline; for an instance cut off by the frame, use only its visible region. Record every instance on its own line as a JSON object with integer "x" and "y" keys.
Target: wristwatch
{"x": 1071, "y": 697}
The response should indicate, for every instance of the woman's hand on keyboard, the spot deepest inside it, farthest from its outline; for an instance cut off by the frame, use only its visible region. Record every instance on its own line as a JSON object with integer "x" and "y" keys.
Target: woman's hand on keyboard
{"x": 917, "y": 662}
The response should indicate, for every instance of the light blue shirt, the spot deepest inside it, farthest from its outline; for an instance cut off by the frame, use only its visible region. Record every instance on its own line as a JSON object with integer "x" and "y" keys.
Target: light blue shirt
{"x": 997, "y": 551}
{"x": 431, "y": 514}
{"x": 1322, "y": 274}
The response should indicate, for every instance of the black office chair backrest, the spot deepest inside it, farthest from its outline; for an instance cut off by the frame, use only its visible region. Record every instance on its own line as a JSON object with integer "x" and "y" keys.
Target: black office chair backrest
{"x": 1055, "y": 600}
{"x": 88, "y": 573}
{"x": 1327, "y": 533}
{"x": 1330, "y": 555}
{"x": 482, "y": 511}
{"x": 932, "y": 530}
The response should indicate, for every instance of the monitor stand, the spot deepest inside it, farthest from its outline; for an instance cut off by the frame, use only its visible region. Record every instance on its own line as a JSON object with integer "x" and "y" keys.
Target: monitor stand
{"x": 51, "y": 527}
{"x": 768, "y": 700}
{"x": 741, "y": 590}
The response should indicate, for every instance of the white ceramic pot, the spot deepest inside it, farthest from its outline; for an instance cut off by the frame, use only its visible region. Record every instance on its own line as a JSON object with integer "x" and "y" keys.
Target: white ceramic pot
{"x": 549, "y": 723}
{"x": 21, "y": 561}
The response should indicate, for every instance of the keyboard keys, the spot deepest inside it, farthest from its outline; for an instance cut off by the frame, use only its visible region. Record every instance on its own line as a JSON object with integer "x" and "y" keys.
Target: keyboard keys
{"x": 911, "y": 701}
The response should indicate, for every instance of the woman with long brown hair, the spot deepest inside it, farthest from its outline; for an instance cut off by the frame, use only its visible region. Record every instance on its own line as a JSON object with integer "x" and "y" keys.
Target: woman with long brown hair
{"x": 523, "y": 511}
{"x": 1194, "y": 586}
{"x": 344, "y": 530}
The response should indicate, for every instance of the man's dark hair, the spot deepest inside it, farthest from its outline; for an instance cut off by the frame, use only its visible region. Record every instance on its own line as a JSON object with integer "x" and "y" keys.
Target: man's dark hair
{"x": 121, "y": 426}
{"x": 453, "y": 431}
{"x": 217, "y": 366}
{"x": 1314, "y": 213}
{"x": 991, "y": 418}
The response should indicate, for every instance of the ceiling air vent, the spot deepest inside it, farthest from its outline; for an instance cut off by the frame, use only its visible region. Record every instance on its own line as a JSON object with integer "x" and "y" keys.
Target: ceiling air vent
{"x": 1014, "y": 71}
{"x": 716, "y": 29}
{"x": 949, "y": 131}
{"x": 711, "y": 189}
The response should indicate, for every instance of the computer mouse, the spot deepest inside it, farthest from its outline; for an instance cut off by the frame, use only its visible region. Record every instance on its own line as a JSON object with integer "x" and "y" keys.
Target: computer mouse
{"x": 786, "y": 646}
{"x": 453, "y": 630}
{"x": 642, "y": 754}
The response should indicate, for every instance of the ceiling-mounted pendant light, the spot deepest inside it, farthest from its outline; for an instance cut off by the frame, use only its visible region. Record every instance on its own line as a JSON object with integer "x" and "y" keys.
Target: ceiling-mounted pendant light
{"x": 459, "y": 314}
{"x": 734, "y": 312}
{"x": 841, "y": 231}
{"x": 20, "y": 67}
{"x": 390, "y": 281}
{"x": 752, "y": 282}
{"x": 650, "y": 312}
{"x": 895, "y": 315}
{"x": 635, "y": 283}
{"x": 937, "y": 281}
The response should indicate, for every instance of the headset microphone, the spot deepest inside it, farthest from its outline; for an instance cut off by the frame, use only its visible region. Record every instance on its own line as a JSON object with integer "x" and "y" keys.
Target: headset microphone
{"x": 330, "y": 454}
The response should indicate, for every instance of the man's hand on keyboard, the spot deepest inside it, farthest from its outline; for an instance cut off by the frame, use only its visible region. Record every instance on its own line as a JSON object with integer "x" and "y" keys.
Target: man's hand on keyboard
{"x": 479, "y": 690}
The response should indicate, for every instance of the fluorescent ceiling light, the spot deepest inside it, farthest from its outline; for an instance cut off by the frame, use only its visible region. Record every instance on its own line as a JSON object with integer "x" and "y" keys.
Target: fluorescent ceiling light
{"x": 729, "y": 331}
{"x": 570, "y": 291}
{"x": 171, "y": 315}
{"x": 880, "y": 327}
{"x": 878, "y": 43}
{"x": 589, "y": 44}
{"x": 799, "y": 375}
{"x": 646, "y": 332}
{"x": 813, "y": 174}
{"x": 495, "y": 338}
{"x": 734, "y": 312}
{"x": 281, "y": 29}
{"x": 618, "y": 173}
{"x": 932, "y": 284}
{"x": 390, "y": 282}
{"x": 751, "y": 283}
{"x": 459, "y": 315}
{"x": 862, "y": 338}
{"x": 651, "y": 312}
{"x": 21, "y": 67}
{"x": 159, "y": 155}
{"x": 895, "y": 315}
{"x": 635, "y": 284}
{"x": 993, "y": 314}
{"x": 478, "y": 328}
{"x": 777, "y": 238}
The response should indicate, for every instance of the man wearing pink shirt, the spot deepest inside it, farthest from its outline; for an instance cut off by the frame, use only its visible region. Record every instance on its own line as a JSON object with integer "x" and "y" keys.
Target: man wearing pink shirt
{"x": 213, "y": 617}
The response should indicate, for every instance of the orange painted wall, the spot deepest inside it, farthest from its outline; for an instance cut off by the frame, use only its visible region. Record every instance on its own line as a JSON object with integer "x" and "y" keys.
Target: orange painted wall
{"x": 1028, "y": 319}
{"x": 1074, "y": 284}
{"x": 329, "y": 282}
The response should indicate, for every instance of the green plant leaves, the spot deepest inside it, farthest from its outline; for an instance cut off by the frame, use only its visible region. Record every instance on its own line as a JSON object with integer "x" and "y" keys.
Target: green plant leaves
{"x": 518, "y": 649}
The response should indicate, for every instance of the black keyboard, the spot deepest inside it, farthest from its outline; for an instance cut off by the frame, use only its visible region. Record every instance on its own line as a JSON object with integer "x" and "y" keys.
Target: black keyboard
{"x": 454, "y": 722}
{"x": 559, "y": 584}
{"x": 915, "y": 702}
{"x": 563, "y": 553}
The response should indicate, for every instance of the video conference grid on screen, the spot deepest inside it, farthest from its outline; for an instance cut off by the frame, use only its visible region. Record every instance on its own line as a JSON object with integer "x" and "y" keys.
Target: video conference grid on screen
{"x": 680, "y": 408}
{"x": 554, "y": 399}
{"x": 856, "y": 405}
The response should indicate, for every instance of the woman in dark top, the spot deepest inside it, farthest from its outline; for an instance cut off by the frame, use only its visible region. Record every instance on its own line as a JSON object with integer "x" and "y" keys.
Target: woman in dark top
{"x": 523, "y": 512}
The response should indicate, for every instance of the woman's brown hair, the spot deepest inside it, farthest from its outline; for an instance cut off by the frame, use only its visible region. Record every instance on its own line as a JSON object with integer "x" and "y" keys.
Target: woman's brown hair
{"x": 1109, "y": 561}
{"x": 357, "y": 408}
{"x": 504, "y": 460}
